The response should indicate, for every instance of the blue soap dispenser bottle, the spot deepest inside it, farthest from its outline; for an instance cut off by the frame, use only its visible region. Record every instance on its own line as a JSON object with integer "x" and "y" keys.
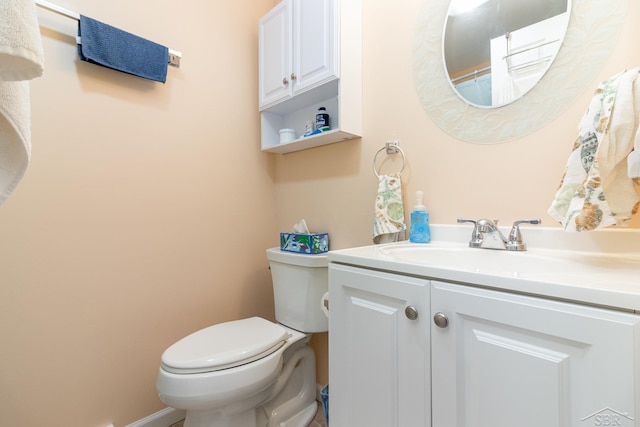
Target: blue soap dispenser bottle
{"x": 419, "y": 231}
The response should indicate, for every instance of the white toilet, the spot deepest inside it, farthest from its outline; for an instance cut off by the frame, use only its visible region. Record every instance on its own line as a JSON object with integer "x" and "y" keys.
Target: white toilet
{"x": 253, "y": 372}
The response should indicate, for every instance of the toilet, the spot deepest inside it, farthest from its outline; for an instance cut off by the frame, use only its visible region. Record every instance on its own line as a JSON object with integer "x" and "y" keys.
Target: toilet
{"x": 253, "y": 372}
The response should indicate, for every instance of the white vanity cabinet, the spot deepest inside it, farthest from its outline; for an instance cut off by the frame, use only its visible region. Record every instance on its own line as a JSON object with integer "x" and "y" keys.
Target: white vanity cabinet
{"x": 505, "y": 360}
{"x": 378, "y": 349}
{"x": 474, "y": 356}
{"x": 310, "y": 57}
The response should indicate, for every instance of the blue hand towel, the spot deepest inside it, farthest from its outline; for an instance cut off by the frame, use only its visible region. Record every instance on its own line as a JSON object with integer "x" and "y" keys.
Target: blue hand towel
{"x": 102, "y": 44}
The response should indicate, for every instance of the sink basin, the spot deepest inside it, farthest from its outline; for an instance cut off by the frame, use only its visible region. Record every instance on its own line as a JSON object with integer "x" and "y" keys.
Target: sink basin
{"x": 521, "y": 264}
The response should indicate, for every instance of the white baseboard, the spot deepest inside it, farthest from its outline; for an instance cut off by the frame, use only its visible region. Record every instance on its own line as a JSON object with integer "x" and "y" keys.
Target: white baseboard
{"x": 163, "y": 418}
{"x": 169, "y": 416}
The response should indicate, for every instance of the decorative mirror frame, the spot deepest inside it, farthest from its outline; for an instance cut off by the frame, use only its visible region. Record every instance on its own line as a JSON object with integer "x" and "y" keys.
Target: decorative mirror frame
{"x": 594, "y": 27}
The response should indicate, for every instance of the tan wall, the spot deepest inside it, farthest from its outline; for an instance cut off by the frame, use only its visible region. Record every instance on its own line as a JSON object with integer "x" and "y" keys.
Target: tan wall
{"x": 143, "y": 216}
{"x": 146, "y": 209}
{"x": 333, "y": 187}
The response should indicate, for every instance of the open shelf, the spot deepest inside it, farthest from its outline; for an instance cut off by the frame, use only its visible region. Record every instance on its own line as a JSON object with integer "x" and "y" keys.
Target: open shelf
{"x": 324, "y": 138}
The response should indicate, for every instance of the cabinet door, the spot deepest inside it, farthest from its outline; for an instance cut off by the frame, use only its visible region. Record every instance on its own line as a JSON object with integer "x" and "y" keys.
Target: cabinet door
{"x": 315, "y": 43}
{"x": 378, "y": 357}
{"x": 507, "y": 360}
{"x": 275, "y": 60}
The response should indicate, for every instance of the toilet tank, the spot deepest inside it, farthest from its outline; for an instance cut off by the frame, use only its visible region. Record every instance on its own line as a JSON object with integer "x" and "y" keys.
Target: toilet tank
{"x": 299, "y": 282}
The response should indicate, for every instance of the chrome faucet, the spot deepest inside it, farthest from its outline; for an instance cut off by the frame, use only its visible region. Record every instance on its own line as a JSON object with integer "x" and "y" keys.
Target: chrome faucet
{"x": 487, "y": 235}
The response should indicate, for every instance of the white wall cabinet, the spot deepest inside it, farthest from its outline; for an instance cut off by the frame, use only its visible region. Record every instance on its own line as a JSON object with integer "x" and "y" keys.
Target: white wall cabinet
{"x": 493, "y": 359}
{"x": 307, "y": 60}
{"x": 298, "y": 48}
{"x": 379, "y": 357}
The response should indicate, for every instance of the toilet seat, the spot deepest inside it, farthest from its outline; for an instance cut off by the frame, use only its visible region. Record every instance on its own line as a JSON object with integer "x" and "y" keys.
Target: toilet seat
{"x": 224, "y": 345}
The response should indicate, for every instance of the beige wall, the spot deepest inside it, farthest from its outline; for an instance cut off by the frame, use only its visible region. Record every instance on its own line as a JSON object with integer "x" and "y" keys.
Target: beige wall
{"x": 146, "y": 209}
{"x": 143, "y": 216}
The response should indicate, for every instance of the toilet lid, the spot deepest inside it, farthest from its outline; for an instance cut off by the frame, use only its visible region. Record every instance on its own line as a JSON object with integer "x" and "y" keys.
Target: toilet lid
{"x": 224, "y": 346}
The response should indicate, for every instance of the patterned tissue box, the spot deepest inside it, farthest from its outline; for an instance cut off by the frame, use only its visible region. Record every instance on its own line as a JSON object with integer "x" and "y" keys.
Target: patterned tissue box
{"x": 313, "y": 243}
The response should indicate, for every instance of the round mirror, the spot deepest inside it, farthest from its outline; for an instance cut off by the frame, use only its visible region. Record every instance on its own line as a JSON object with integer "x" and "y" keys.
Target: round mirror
{"x": 593, "y": 30}
{"x": 495, "y": 51}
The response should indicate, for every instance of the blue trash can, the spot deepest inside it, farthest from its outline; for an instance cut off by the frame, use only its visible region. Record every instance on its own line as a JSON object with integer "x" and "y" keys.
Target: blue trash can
{"x": 324, "y": 395}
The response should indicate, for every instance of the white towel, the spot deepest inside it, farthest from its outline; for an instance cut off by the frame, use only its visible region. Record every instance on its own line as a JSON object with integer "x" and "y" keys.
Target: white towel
{"x": 21, "y": 53}
{"x": 598, "y": 187}
{"x": 388, "y": 223}
{"x": 21, "y": 59}
{"x": 15, "y": 135}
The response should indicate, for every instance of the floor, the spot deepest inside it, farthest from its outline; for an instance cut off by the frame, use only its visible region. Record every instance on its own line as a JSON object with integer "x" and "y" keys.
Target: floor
{"x": 318, "y": 421}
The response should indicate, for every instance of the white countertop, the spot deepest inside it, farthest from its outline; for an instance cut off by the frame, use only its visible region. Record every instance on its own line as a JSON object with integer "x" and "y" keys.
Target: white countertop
{"x": 601, "y": 268}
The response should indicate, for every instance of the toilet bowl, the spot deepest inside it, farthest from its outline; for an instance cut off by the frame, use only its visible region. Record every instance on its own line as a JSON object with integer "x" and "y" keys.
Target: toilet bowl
{"x": 253, "y": 372}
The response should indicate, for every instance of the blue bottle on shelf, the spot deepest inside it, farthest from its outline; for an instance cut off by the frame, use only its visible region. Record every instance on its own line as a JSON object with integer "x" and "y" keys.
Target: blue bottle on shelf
{"x": 322, "y": 120}
{"x": 419, "y": 231}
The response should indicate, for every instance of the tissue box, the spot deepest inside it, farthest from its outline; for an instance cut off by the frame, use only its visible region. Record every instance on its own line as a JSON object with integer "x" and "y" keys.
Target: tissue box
{"x": 312, "y": 243}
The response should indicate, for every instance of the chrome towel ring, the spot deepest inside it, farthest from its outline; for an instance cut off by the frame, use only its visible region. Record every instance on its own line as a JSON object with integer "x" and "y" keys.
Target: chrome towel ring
{"x": 392, "y": 147}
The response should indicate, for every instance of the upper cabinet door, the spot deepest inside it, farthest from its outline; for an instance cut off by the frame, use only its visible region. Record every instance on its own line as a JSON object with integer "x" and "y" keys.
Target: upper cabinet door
{"x": 315, "y": 42}
{"x": 275, "y": 54}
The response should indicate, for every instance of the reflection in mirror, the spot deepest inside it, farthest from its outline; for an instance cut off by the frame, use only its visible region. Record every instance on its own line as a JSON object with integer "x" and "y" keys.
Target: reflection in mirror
{"x": 495, "y": 51}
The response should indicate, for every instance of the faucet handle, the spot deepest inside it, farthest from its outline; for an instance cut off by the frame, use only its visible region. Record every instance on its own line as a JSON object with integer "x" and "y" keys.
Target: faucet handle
{"x": 476, "y": 237}
{"x": 463, "y": 220}
{"x": 515, "y": 242}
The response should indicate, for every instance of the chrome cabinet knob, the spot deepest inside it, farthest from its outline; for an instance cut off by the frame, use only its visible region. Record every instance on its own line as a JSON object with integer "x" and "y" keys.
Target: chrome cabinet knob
{"x": 440, "y": 320}
{"x": 293, "y": 76}
{"x": 285, "y": 81}
{"x": 411, "y": 312}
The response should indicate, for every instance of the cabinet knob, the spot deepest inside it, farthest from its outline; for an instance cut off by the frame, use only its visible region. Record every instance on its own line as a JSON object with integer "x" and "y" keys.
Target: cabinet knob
{"x": 293, "y": 76}
{"x": 285, "y": 81}
{"x": 440, "y": 320}
{"x": 411, "y": 312}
